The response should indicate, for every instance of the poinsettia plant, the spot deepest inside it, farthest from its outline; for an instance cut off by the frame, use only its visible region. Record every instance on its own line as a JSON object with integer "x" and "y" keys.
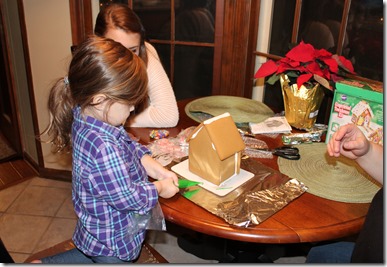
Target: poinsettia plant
{"x": 306, "y": 65}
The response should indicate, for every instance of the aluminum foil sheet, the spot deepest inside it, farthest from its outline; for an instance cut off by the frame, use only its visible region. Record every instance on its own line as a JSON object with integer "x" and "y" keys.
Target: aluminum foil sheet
{"x": 254, "y": 201}
{"x": 253, "y": 207}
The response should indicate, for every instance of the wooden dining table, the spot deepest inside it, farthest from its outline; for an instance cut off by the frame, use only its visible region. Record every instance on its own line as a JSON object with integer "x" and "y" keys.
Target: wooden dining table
{"x": 308, "y": 218}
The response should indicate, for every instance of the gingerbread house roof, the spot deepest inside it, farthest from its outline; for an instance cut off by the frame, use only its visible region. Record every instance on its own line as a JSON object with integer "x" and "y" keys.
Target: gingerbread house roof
{"x": 223, "y": 133}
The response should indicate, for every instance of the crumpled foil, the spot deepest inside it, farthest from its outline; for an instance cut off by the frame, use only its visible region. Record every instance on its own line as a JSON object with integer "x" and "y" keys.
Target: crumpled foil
{"x": 253, "y": 207}
{"x": 254, "y": 201}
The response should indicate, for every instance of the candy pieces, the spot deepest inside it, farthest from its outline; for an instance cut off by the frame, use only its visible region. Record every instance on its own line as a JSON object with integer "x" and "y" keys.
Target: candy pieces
{"x": 158, "y": 134}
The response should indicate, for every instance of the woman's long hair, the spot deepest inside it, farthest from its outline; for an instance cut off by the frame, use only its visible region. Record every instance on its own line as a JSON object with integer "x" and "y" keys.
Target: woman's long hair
{"x": 121, "y": 16}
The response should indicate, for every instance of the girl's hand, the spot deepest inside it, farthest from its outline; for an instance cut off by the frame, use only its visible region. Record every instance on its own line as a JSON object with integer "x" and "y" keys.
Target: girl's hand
{"x": 166, "y": 187}
{"x": 155, "y": 170}
{"x": 165, "y": 174}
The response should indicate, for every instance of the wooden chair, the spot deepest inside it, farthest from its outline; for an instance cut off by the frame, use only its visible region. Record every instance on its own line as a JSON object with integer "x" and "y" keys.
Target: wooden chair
{"x": 148, "y": 253}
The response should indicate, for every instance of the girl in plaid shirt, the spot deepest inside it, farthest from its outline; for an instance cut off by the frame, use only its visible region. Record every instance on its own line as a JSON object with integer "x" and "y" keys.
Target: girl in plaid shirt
{"x": 110, "y": 170}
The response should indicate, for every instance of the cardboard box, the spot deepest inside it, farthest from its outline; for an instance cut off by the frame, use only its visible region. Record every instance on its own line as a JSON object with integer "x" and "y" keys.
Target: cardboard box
{"x": 215, "y": 148}
{"x": 360, "y": 103}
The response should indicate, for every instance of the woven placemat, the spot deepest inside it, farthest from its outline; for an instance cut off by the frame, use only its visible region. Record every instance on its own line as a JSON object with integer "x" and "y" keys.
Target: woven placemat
{"x": 241, "y": 109}
{"x": 340, "y": 179}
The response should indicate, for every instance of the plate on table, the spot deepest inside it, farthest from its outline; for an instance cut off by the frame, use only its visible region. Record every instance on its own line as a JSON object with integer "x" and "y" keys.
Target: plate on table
{"x": 241, "y": 109}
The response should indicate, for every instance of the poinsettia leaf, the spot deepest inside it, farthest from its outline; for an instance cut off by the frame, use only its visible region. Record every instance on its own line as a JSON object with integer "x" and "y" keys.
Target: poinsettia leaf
{"x": 322, "y": 53}
{"x": 293, "y": 74}
{"x": 327, "y": 74}
{"x": 344, "y": 63}
{"x": 301, "y": 53}
{"x": 314, "y": 68}
{"x": 322, "y": 81}
{"x": 303, "y": 78}
{"x": 332, "y": 64}
{"x": 266, "y": 69}
{"x": 273, "y": 79}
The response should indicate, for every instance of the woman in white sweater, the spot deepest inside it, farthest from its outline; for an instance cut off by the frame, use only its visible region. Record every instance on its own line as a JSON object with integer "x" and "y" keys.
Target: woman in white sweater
{"x": 120, "y": 23}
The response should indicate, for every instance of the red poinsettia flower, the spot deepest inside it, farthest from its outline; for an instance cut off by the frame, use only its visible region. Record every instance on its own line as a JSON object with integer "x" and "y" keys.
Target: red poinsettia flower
{"x": 307, "y": 65}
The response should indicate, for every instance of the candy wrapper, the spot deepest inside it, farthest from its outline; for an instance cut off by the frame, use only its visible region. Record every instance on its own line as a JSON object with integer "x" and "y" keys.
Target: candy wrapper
{"x": 256, "y": 143}
{"x": 314, "y": 135}
{"x": 166, "y": 150}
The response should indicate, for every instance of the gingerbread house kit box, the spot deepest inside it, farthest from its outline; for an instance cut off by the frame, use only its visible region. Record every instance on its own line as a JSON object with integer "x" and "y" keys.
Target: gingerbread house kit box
{"x": 215, "y": 148}
{"x": 360, "y": 103}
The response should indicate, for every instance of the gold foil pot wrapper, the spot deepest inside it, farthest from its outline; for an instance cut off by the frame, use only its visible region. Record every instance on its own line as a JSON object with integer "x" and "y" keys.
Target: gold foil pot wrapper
{"x": 301, "y": 104}
{"x": 252, "y": 202}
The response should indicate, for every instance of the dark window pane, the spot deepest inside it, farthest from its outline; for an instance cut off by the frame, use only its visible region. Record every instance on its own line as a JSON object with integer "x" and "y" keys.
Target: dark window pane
{"x": 155, "y": 16}
{"x": 164, "y": 52}
{"x": 194, "y": 21}
{"x": 281, "y": 31}
{"x": 193, "y": 71}
{"x": 320, "y": 23}
{"x": 365, "y": 30}
{"x": 107, "y": 2}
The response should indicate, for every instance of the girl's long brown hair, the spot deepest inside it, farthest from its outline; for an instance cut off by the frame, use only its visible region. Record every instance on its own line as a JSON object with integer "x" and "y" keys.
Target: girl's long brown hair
{"x": 99, "y": 66}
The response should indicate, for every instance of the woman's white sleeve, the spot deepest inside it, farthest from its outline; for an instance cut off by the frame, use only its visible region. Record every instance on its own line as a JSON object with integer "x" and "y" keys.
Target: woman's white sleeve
{"x": 162, "y": 110}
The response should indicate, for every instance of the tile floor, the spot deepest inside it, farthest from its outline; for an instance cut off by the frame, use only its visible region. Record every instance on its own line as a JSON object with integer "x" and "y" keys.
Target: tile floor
{"x": 37, "y": 214}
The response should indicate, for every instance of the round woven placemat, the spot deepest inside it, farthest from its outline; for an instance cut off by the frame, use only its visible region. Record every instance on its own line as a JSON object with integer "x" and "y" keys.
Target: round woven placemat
{"x": 340, "y": 179}
{"x": 241, "y": 109}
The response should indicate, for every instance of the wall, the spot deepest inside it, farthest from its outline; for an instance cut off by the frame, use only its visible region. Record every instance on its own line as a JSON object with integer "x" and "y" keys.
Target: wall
{"x": 49, "y": 40}
{"x": 265, "y": 18}
{"x": 20, "y": 78}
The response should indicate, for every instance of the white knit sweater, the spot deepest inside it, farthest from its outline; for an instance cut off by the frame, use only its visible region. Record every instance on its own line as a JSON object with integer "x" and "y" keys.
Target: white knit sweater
{"x": 162, "y": 111}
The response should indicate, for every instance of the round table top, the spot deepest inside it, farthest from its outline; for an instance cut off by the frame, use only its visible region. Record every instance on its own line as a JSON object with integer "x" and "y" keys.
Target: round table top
{"x": 308, "y": 218}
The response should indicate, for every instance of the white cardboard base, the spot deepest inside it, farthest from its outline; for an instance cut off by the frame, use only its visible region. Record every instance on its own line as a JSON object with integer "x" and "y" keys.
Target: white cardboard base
{"x": 221, "y": 190}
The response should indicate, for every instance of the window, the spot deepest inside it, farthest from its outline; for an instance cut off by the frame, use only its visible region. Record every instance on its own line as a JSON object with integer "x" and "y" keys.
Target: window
{"x": 182, "y": 32}
{"x": 353, "y": 29}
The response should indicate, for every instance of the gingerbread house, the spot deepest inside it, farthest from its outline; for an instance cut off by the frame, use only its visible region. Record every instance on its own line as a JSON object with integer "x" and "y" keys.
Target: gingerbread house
{"x": 362, "y": 114}
{"x": 215, "y": 149}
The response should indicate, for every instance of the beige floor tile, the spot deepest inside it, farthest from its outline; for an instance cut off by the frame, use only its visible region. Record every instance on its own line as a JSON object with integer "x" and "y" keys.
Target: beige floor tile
{"x": 21, "y": 233}
{"x": 66, "y": 210}
{"x": 19, "y": 257}
{"x": 8, "y": 195}
{"x": 59, "y": 230}
{"x": 38, "y": 181}
{"x": 39, "y": 200}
